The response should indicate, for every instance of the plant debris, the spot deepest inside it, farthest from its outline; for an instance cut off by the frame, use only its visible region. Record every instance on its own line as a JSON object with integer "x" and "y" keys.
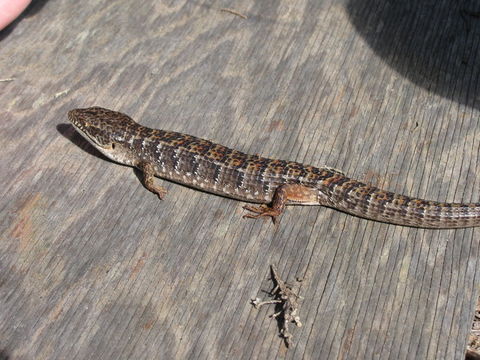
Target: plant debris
{"x": 287, "y": 305}
{"x": 233, "y": 12}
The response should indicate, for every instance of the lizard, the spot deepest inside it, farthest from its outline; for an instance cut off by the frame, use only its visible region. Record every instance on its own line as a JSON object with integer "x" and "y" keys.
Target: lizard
{"x": 217, "y": 169}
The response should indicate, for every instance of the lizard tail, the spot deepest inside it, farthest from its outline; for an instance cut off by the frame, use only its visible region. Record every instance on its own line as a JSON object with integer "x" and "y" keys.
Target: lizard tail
{"x": 357, "y": 198}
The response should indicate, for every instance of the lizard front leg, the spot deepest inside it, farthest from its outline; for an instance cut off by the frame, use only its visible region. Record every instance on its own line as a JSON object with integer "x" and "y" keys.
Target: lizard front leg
{"x": 148, "y": 180}
{"x": 293, "y": 193}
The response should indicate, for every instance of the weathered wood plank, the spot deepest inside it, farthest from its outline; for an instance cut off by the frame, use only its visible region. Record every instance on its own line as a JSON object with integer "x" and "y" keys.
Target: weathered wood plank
{"x": 94, "y": 266}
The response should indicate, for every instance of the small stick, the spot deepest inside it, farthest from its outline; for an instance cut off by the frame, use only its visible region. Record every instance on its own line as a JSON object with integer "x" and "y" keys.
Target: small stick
{"x": 61, "y": 93}
{"x": 234, "y": 12}
{"x": 7, "y": 80}
{"x": 285, "y": 296}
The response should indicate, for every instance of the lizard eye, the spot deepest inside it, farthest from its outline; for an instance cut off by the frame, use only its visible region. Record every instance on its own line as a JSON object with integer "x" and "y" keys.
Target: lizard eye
{"x": 113, "y": 146}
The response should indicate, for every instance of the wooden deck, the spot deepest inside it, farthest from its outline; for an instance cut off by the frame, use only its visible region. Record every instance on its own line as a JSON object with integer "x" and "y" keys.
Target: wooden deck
{"x": 93, "y": 266}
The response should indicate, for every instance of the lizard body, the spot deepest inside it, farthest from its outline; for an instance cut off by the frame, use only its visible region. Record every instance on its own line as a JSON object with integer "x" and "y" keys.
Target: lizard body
{"x": 217, "y": 169}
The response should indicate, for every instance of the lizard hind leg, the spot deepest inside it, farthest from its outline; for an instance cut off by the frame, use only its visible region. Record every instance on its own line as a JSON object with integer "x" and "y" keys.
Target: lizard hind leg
{"x": 288, "y": 193}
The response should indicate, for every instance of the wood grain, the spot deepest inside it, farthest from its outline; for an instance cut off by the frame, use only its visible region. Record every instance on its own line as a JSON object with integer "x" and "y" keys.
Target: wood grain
{"x": 92, "y": 265}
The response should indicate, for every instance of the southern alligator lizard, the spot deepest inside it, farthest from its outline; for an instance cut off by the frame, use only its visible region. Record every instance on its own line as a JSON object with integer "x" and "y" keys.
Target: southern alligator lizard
{"x": 214, "y": 168}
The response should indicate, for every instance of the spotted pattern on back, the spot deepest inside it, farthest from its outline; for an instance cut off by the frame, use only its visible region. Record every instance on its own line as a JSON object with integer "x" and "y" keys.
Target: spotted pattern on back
{"x": 215, "y": 168}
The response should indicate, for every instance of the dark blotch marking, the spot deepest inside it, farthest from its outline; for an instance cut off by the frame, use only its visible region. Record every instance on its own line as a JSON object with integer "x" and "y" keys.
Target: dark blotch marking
{"x": 266, "y": 187}
{"x": 195, "y": 167}
{"x": 217, "y": 173}
{"x": 351, "y": 186}
{"x": 381, "y": 198}
{"x": 240, "y": 178}
{"x": 175, "y": 160}
{"x": 295, "y": 170}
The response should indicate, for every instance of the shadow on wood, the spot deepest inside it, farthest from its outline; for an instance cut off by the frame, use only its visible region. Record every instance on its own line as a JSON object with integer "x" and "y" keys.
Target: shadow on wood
{"x": 69, "y": 132}
{"x": 429, "y": 43}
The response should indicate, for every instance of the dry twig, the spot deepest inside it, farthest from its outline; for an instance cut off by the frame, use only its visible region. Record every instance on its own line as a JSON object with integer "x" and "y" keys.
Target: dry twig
{"x": 286, "y": 298}
{"x": 233, "y": 12}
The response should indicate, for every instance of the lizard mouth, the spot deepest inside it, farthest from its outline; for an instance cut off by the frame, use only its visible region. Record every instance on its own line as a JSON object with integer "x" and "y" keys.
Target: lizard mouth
{"x": 81, "y": 129}
{"x": 85, "y": 128}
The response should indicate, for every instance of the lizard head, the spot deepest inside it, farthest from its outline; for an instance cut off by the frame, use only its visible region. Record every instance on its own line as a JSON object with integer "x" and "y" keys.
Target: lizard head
{"x": 106, "y": 130}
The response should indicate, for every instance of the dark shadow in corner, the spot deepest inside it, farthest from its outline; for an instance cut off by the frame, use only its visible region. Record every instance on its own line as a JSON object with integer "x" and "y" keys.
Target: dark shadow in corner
{"x": 31, "y": 10}
{"x": 433, "y": 43}
{"x": 34, "y": 7}
{"x": 4, "y": 355}
{"x": 69, "y": 132}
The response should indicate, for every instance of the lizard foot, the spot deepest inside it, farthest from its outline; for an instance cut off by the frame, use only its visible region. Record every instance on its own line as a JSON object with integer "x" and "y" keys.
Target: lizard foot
{"x": 160, "y": 191}
{"x": 262, "y": 211}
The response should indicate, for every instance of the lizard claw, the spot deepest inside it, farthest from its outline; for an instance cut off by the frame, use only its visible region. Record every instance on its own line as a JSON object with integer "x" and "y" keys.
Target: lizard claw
{"x": 261, "y": 211}
{"x": 161, "y": 192}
